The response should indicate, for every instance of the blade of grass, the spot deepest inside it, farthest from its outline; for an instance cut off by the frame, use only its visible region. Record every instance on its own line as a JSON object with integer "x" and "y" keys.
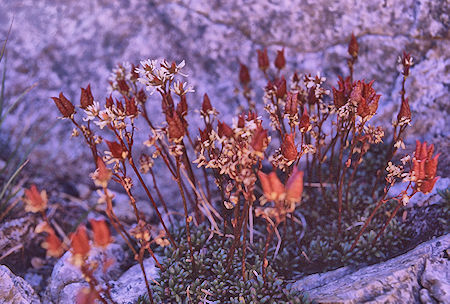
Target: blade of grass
{"x": 15, "y": 104}
{"x": 11, "y": 178}
{"x": 2, "y": 53}
{"x": 6, "y": 40}
{"x": 2, "y": 90}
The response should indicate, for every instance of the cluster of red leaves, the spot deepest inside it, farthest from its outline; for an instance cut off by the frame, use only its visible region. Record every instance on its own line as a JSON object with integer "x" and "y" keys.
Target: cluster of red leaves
{"x": 424, "y": 167}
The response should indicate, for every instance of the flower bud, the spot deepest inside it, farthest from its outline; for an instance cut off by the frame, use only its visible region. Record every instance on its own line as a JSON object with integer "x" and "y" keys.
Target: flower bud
{"x": 102, "y": 236}
{"x": 176, "y": 126}
{"x": 291, "y": 104}
{"x": 405, "y": 113}
{"x": 80, "y": 243}
{"x": 35, "y": 201}
{"x": 131, "y": 107}
{"x": 206, "y": 105}
{"x": 288, "y": 148}
{"x": 224, "y": 130}
{"x": 116, "y": 149}
{"x": 260, "y": 140}
{"x": 273, "y": 189}
{"x": 244, "y": 75}
{"x": 353, "y": 47}
{"x": 304, "y": 125}
{"x": 294, "y": 186}
{"x": 53, "y": 244}
{"x": 263, "y": 60}
{"x": 66, "y": 108}
{"x": 280, "y": 61}
{"x": 281, "y": 87}
{"x": 86, "y": 98}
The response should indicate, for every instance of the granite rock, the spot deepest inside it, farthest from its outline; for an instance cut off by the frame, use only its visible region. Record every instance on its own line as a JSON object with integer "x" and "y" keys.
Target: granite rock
{"x": 422, "y": 274}
{"x": 64, "y": 45}
{"x": 65, "y": 274}
{"x": 131, "y": 285}
{"x": 15, "y": 290}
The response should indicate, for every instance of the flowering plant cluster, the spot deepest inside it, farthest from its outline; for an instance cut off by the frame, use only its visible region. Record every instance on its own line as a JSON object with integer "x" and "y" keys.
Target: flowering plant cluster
{"x": 308, "y": 127}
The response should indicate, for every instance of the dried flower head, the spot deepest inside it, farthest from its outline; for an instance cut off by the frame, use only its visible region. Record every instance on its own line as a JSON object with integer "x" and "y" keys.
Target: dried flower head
{"x": 341, "y": 95}
{"x": 35, "y": 201}
{"x": 116, "y": 150}
{"x": 365, "y": 98}
{"x": 102, "y": 174}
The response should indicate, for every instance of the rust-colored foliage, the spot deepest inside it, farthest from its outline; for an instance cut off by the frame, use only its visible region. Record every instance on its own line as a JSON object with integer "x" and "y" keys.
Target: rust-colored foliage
{"x": 35, "y": 201}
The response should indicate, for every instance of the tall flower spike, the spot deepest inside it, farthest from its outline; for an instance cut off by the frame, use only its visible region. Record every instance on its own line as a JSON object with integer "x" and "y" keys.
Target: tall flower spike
{"x": 66, "y": 108}
{"x": 35, "y": 201}
{"x": 102, "y": 236}
{"x": 86, "y": 98}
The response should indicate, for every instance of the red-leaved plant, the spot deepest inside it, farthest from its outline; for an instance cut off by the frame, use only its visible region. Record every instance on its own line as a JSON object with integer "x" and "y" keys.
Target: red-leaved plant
{"x": 300, "y": 114}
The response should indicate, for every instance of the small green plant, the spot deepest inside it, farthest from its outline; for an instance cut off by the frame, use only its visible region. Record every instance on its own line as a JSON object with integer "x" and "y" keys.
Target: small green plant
{"x": 213, "y": 282}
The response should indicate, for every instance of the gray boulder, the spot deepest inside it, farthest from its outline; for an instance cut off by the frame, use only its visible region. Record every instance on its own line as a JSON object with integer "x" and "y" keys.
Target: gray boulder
{"x": 420, "y": 276}
{"x": 15, "y": 290}
{"x": 66, "y": 279}
{"x": 131, "y": 285}
{"x": 63, "y": 45}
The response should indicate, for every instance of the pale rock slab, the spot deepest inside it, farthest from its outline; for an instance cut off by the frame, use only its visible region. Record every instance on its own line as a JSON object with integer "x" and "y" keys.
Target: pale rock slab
{"x": 419, "y": 275}
{"x": 15, "y": 290}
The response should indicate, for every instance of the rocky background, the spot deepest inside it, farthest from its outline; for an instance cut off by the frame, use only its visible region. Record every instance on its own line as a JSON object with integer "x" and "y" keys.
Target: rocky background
{"x": 64, "y": 45}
